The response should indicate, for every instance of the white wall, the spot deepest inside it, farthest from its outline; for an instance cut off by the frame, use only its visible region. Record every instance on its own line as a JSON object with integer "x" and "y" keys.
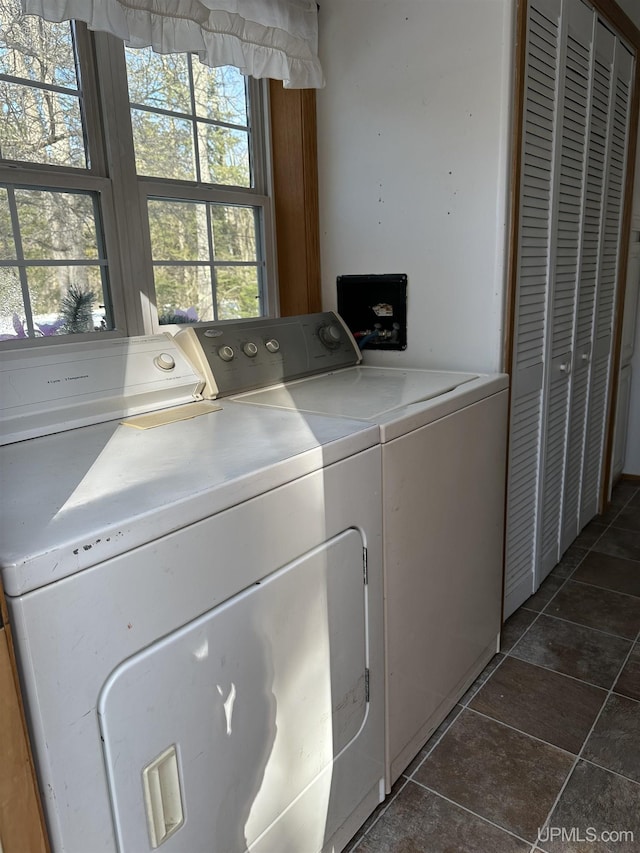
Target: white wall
{"x": 413, "y": 146}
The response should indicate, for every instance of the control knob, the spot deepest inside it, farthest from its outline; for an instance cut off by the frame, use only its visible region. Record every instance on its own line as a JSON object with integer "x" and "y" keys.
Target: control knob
{"x": 330, "y": 335}
{"x": 226, "y": 353}
{"x": 250, "y": 349}
{"x": 272, "y": 345}
{"x": 164, "y": 361}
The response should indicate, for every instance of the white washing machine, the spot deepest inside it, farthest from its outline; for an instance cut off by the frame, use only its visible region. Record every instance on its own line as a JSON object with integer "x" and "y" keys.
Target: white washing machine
{"x": 443, "y": 437}
{"x": 196, "y": 603}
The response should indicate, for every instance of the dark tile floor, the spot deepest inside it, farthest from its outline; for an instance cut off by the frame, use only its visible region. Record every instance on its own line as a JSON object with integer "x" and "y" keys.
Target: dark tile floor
{"x": 543, "y": 752}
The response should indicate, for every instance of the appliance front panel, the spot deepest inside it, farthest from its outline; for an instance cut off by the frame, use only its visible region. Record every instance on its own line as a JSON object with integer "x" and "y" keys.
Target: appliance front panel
{"x": 130, "y": 602}
{"x": 258, "y": 697}
{"x": 443, "y": 540}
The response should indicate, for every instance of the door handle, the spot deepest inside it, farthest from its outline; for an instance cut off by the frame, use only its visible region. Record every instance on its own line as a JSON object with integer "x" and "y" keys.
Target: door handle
{"x": 162, "y": 797}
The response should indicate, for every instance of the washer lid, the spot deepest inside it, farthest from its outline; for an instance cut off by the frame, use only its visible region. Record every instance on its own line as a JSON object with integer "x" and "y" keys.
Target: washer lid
{"x": 369, "y": 393}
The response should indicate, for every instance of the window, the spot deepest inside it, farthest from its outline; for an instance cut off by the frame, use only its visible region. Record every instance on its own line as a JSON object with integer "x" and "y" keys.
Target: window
{"x": 133, "y": 186}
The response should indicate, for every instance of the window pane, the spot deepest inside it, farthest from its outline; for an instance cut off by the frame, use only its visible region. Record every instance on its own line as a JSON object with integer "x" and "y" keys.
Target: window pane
{"x": 179, "y": 234}
{"x": 66, "y": 292}
{"x": 178, "y": 231}
{"x": 57, "y": 225}
{"x": 183, "y": 289}
{"x": 164, "y": 146}
{"x": 234, "y": 233}
{"x": 190, "y": 124}
{"x": 7, "y": 243}
{"x": 10, "y": 303}
{"x": 164, "y": 132}
{"x": 40, "y": 126}
{"x": 220, "y": 93}
{"x": 64, "y": 300}
{"x": 224, "y": 155}
{"x": 238, "y": 292}
{"x": 69, "y": 299}
{"x": 158, "y": 81}
{"x": 34, "y": 50}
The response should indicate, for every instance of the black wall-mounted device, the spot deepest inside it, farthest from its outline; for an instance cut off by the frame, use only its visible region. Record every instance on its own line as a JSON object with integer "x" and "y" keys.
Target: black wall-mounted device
{"x": 374, "y": 307}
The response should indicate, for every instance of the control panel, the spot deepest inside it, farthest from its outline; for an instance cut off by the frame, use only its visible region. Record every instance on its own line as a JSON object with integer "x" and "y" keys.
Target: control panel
{"x": 246, "y": 354}
{"x": 48, "y": 389}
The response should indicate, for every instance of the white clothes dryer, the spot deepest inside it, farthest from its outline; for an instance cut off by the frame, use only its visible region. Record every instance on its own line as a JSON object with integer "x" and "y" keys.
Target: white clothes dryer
{"x": 196, "y": 603}
{"x": 443, "y": 438}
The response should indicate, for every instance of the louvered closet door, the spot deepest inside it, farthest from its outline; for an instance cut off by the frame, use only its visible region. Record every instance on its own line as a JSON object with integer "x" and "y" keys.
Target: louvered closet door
{"x": 567, "y": 214}
{"x": 589, "y": 254}
{"x": 597, "y": 146}
{"x": 542, "y": 64}
{"x": 575, "y": 125}
{"x": 615, "y": 167}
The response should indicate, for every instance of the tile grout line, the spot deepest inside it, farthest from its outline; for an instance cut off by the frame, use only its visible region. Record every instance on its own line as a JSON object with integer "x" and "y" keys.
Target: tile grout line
{"x": 607, "y": 525}
{"x": 608, "y": 769}
{"x": 621, "y": 508}
{"x": 382, "y": 813}
{"x": 609, "y": 692}
{"x": 524, "y": 633}
{"x": 564, "y": 674}
{"x": 462, "y": 705}
{"x": 540, "y": 612}
{"x": 578, "y": 756}
{"x": 588, "y": 627}
{"x": 435, "y": 743}
{"x": 586, "y": 740}
{"x": 471, "y": 812}
{"x": 432, "y": 747}
{"x": 563, "y": 580}
{"x": 466, "y": 705}
{"x": 608, "y": 589}
{"x": 520, "y": 732}
{"x": 599, "y": 714}
{"x": 475, "y": 692}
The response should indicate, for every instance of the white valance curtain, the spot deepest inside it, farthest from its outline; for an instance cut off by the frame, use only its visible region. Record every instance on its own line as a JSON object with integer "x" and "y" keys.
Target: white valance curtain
{"x": 264, "y": 38}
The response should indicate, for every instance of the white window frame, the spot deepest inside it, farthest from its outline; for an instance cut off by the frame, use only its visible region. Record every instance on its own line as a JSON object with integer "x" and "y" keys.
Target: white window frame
{"x": 124, "y": 194}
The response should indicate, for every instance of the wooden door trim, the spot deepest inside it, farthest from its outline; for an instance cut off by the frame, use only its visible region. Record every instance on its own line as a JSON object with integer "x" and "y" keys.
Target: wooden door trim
{"x": 610, "y": 10}
{"x": 295, "y": 191}
{"x": 516, "y": 170}
{"x": 22, "y": 823}
{"x": 623, "y": 258}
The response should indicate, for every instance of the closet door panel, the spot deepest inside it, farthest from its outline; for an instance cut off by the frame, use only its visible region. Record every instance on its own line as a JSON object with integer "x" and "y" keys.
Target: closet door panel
{"x": 569, "y": 189}
{"x": 615, "y": 165}
{"x": 542, "y": 68}
{"x": 596, "y": 151}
